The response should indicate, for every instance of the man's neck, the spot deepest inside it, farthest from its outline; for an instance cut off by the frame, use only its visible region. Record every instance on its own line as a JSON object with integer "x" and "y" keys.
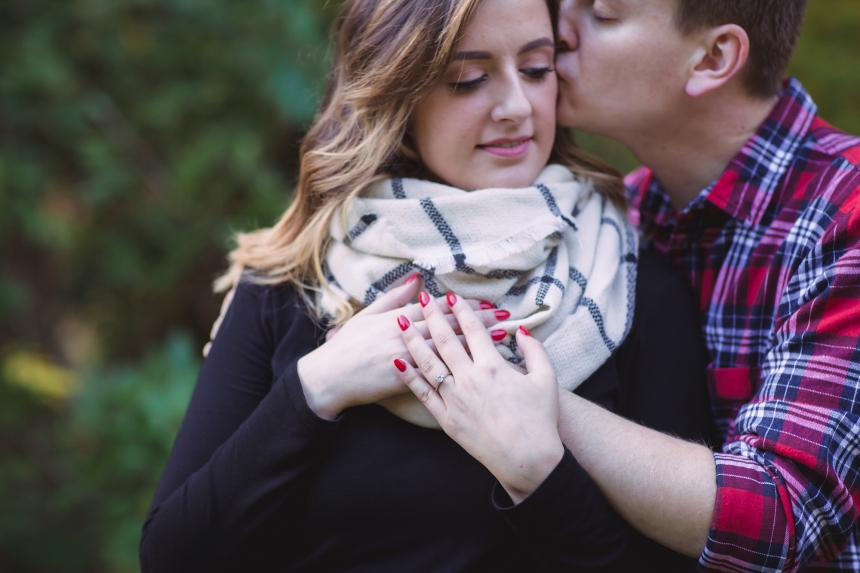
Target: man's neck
{"x": 691, "y": 153}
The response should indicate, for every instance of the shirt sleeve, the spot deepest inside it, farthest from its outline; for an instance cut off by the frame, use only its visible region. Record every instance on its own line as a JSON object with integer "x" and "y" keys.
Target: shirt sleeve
{"x": 240, "y": 456}
{"x": 566, "y": 521}
{"x": 787, "y": 483}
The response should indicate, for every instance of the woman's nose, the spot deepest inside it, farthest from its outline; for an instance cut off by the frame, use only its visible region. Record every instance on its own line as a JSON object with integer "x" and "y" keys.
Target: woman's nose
{"x": 513, "y": 105}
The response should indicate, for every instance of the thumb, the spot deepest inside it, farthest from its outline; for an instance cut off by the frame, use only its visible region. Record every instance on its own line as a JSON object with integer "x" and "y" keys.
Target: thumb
{"x": 396, "y": 297}
{"x": 538, "y": 362}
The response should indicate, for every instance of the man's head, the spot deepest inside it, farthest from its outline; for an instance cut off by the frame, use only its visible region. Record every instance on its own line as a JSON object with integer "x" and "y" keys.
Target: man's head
{"x": 629, "y": 67}
{"x": 773, "y": 27}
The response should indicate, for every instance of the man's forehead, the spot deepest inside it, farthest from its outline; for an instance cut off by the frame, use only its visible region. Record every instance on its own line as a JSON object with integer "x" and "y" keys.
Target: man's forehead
{"x": 652, "y": 4}
{"x": 662, "y": 8}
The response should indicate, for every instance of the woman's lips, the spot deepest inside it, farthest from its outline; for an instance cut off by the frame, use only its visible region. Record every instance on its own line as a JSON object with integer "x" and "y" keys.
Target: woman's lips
{"x": 507, "y": 148}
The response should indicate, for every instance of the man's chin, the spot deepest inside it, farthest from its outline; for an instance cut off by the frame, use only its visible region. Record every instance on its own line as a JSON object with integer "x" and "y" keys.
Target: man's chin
{"x": 567, "y": 115}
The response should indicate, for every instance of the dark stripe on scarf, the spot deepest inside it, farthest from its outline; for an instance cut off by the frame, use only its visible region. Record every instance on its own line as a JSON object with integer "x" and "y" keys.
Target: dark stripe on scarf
{"x": 578, "y": 277}
{"x": 449, "y": 236}
{"x": 521, "y": 289}
{"x": 598, "y": 320}
{"x": 548, "y": 277}
{"x": 553, "y": 206}
{"x": 360, "y": 227}
{"x": 397, "y": 188}
{"x": 395, "y": 274}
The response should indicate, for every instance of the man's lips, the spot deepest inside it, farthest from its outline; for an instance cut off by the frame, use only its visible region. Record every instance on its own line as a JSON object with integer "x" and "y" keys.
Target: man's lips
{"x": 508, "y": 148}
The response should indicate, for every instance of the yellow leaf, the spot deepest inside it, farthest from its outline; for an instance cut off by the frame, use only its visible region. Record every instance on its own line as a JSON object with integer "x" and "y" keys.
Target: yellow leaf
{"x": 36, "y": 373}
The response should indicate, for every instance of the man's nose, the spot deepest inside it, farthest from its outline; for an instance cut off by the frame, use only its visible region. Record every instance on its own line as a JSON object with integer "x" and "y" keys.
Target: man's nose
{"x": 568, "y": 26}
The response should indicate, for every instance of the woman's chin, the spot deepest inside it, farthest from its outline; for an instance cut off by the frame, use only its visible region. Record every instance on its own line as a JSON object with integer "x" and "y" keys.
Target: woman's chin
{"x": 512, "y": 177}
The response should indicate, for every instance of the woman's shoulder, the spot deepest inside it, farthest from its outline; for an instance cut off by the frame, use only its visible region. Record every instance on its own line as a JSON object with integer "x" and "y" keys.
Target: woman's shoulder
{"x": 274, "y": 299}
{"x": 265, "y": 309}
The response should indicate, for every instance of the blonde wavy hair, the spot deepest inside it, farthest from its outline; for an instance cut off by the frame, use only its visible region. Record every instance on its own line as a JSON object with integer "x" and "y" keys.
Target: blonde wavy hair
{"x": 388, "y": 55}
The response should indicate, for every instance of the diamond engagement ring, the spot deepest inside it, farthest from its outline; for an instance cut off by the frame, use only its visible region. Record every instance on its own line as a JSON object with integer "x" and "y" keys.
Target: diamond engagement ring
{"x": 441, "y": 377}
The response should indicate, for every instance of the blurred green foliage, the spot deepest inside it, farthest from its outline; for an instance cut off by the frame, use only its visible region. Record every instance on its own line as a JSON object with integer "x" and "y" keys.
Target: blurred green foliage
{"x": 135, "y": 137}
{"x": 76, "y": 479}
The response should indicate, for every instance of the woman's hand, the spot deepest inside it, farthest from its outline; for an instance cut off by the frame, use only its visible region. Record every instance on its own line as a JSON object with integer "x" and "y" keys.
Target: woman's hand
{"x": 506, "y": 420}
{"x": 353, "y": 366}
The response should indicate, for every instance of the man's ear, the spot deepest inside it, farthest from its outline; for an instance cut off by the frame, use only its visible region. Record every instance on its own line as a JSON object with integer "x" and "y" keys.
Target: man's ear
{"x": 724, "y": 52}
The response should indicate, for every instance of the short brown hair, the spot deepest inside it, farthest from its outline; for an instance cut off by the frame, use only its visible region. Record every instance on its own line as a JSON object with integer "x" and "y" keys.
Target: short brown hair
{"x": 773, "y": 27}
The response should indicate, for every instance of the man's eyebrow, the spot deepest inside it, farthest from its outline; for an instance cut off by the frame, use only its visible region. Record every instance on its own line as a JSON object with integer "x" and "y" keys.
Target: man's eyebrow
{"x": 533, "y": 45}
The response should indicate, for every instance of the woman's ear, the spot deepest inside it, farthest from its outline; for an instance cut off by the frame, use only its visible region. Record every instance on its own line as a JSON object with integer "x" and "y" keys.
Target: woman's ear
{"x": 724, "y": 52}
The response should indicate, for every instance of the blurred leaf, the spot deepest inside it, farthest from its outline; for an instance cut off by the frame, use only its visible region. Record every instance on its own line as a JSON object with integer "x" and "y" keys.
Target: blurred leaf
{"x": 36, "y": 373}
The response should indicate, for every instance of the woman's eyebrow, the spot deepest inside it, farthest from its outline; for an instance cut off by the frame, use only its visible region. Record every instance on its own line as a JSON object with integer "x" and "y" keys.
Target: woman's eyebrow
{"x": 473, "y": 56}
{"x": 533, "y": 45}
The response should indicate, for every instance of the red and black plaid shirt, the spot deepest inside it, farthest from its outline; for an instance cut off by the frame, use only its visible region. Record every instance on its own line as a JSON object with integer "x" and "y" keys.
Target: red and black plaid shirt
{"x": 772, "y": 250}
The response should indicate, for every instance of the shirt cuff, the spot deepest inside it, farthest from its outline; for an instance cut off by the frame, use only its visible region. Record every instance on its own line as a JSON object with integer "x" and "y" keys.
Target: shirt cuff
{"x": 291, "y": 386}
{"x": 535, "y": 504}
{"x": 566, "y": 521}
{"x": 748, "y": 516}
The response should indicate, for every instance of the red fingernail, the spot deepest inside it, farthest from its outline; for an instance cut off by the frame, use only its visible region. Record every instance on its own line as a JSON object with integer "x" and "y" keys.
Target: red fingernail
{"x": 502, "y": 314}
{"x": 487, "y": 305}
{"x": 452, "y": 299}
{"x": 525, "y": 331}
{"x": 402, "y": 322}
{"x": 400, "y": 364}
{"x": 411, "y": 279}
{"x": 423, "y": 298}
{"x": 498, "y": 335}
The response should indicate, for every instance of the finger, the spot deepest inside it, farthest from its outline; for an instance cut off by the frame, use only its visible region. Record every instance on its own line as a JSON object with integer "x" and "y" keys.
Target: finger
{"x": 460, "y": 337}
{"x": 395, "y": 298}
{"x": 487, "y": 318}
{"x": 537, "y": 360}
{"x": 486, "y": 310}
{"x": 413, "y": 311}
{"x": 449, "y": 348}
{"x": 427, "y": 361}
{"x": 422, "y": 389}
{"x": 480, "y": 342}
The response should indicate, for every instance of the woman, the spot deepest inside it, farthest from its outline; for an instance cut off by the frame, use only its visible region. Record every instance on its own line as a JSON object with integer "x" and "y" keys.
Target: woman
{"x": 284, "y": 460}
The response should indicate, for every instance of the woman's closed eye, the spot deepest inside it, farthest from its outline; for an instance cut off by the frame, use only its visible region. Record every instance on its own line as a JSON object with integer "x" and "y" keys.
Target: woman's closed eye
{"x": 462, "y": 86}
{"x": 534, "y": 74}
{"x": 537, "y": 73}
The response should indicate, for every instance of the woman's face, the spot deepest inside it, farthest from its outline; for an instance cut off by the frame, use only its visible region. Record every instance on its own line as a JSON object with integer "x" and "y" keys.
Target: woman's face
{"x": 491, "y": 121}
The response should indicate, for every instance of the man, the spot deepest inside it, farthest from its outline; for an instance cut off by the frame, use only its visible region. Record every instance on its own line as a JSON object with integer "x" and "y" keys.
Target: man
{"x": 756, "y": 201}
{"x": 753, "y": 198}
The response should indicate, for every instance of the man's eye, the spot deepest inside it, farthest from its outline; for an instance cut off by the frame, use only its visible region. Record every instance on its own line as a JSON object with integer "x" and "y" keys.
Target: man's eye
{"x": 537, "y": 73}
{"x": 602, "y": 18}
{"x": 467, "y": 85}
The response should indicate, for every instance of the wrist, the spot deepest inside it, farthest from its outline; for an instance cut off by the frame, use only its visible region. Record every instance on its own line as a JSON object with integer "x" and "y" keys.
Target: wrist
{"x": 318, "y": 394}
{"x": 526, "y": 475}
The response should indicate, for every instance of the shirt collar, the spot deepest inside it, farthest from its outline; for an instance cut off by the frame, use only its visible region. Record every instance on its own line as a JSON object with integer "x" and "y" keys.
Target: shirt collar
{"x": 746, "y": 187}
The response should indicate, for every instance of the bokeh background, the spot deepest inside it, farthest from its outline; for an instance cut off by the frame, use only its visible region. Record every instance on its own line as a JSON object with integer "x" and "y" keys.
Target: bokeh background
{"x": 136, "y": 136}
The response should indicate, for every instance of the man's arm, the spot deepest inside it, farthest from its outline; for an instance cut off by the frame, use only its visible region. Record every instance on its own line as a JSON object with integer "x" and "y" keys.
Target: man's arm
{"x": 663, "y": 486}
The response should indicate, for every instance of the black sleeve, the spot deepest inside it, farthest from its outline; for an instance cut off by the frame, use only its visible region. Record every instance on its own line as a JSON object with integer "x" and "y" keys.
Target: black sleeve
{"x": 656, "y": 378}
{"x": 662, "y": 384}
{"x": 566, "y": 521}
{"x": 247, "y": 441}
{"x": 662, "y": 365}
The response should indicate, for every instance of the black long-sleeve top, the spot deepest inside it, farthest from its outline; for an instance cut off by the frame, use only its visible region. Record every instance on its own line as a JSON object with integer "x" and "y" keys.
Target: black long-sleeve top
{"x": 257, "y": 482}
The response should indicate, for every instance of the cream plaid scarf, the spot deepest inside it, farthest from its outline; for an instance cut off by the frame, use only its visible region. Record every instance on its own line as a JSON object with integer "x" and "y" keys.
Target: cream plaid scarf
{"x": 557, "y": 255}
